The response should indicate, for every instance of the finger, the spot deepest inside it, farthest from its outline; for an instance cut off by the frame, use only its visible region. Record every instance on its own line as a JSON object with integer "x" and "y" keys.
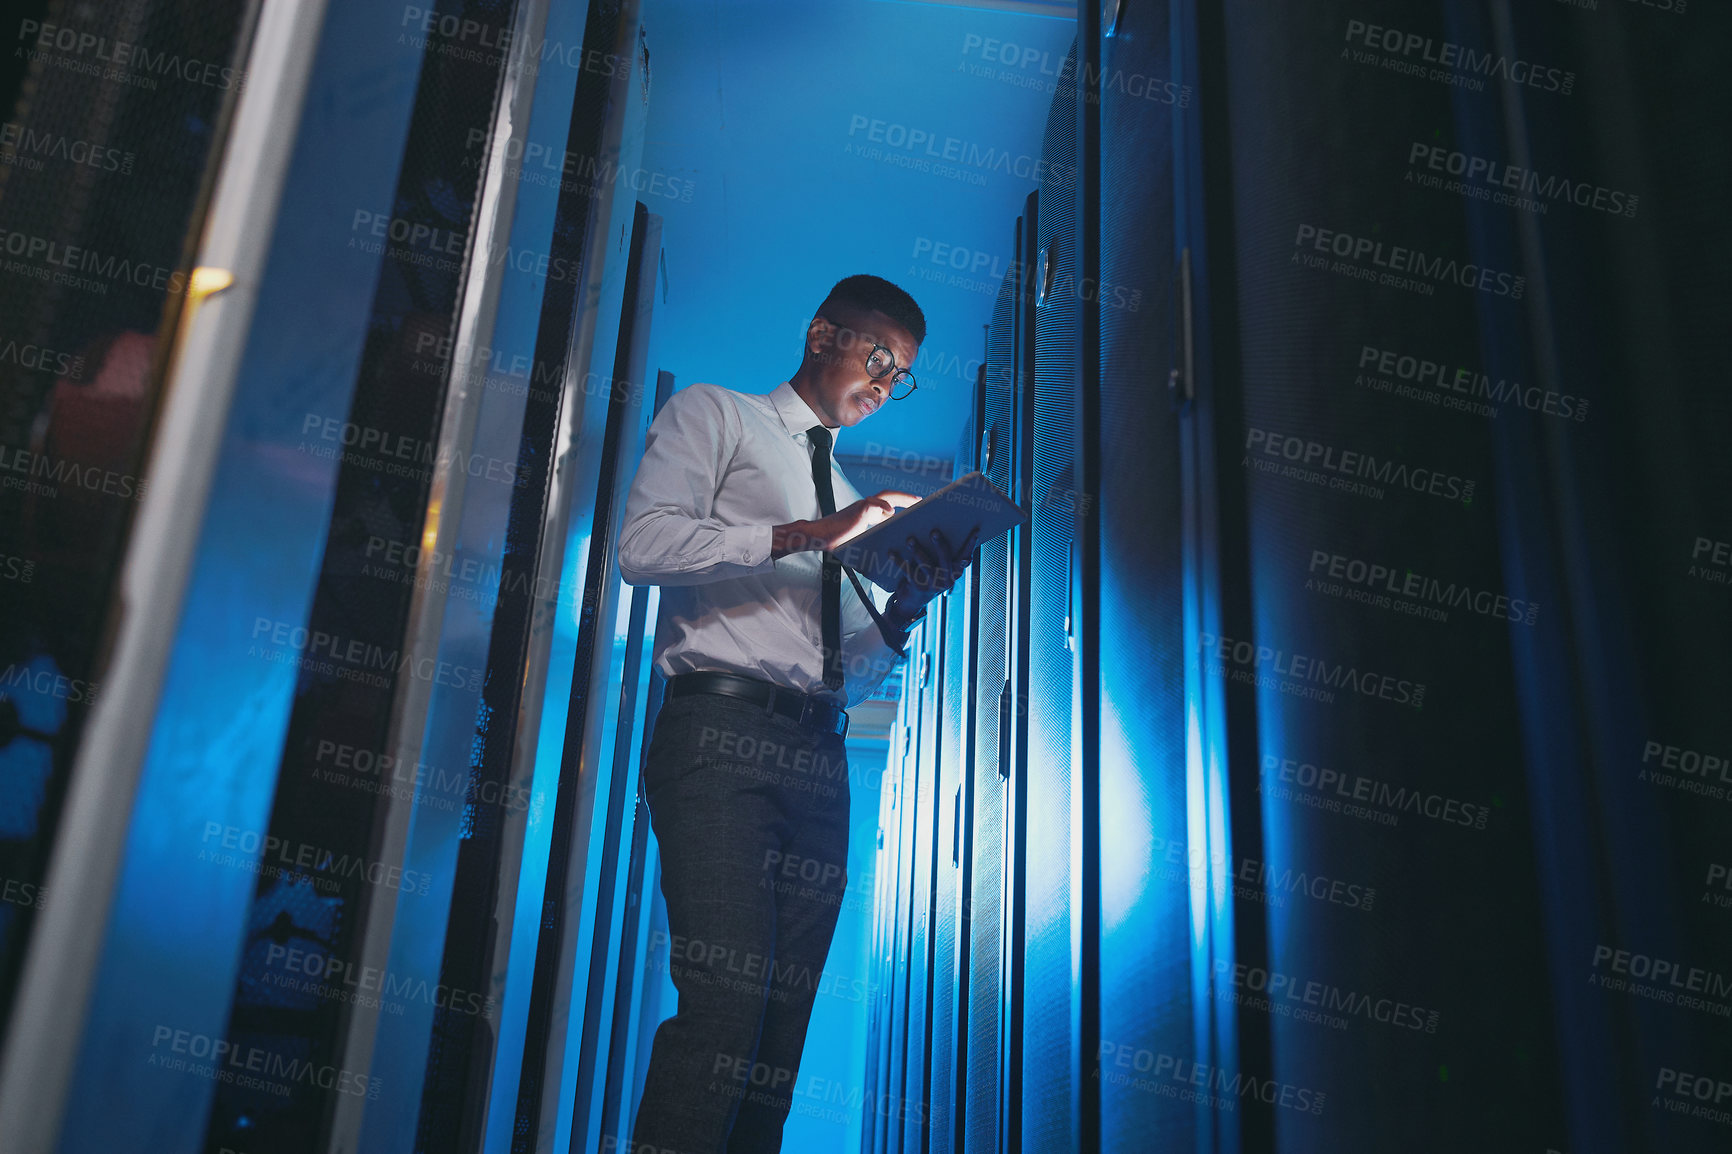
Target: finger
{"x": 897, "y": 497}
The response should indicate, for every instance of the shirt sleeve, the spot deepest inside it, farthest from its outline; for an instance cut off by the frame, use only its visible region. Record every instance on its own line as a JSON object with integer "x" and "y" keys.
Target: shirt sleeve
{"x": 670, "y": 536}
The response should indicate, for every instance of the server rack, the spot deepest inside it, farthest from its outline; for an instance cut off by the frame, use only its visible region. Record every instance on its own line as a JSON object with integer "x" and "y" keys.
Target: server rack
{"x": 446, "y": 959}
{"x": 464, "y": 1061}
{"x": 1507, "y": 692}
{"x": 93, "y": 396}
{"x": 347, "y": 922}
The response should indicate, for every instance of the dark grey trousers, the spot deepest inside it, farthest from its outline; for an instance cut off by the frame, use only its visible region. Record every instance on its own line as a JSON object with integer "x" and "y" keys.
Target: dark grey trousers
{"x": 750, "y": 812}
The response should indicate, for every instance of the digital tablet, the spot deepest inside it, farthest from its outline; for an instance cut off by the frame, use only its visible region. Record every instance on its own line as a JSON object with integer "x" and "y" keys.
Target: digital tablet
{"x": 954, "y": 510}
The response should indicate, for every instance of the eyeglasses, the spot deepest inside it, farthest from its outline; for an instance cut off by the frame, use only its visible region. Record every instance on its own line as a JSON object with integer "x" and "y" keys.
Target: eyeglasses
{"x": 881, "y": 363}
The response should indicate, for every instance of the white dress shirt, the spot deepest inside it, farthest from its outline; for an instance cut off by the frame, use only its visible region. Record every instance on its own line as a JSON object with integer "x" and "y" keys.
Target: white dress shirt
{"x": 720, "y": 469}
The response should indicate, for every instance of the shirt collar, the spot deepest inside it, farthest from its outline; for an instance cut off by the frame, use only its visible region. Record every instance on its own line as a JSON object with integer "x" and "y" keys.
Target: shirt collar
{"x": 797, "y": 416}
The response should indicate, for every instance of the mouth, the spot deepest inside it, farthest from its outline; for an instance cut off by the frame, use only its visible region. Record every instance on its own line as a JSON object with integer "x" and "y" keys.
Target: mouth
{"x": 869, "y": 403}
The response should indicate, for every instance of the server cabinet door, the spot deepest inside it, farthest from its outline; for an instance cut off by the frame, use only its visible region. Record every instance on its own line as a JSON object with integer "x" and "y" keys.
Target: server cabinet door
{"x": 873, "y": 1127}
{"x": 950, "y": 923}
{"x": 1146, "y": 940}
{"x": 988, "y": 769}
{"x": 1049, "y": 1067}
{"x": 117, "y": 169}
{"x": 955, "y": 649}
{"x": 909, "y": 1108}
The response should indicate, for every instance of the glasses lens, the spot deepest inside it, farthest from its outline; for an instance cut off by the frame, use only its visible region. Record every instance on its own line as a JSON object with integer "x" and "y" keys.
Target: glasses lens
{"x": 879, "y": 362}
{"x": 901, "y": 385}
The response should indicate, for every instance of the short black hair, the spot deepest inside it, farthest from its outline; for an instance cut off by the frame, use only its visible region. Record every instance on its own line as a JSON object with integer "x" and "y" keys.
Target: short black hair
{"x": 865, "y": 291}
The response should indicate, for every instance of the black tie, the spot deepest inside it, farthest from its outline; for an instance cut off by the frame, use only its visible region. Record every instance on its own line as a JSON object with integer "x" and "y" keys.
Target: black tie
{"x": 830, "y": 605}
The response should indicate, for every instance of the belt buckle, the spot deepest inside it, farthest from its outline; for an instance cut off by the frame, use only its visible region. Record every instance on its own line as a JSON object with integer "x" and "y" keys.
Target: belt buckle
{"x": 810, "y": 705}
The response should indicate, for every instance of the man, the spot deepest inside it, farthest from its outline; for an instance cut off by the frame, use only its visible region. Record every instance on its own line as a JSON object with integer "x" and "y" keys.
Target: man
{"x": 734, "y": 509}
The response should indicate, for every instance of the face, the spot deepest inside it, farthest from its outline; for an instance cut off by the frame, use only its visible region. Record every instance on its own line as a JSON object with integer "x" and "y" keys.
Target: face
{"x": 844, "y": 393}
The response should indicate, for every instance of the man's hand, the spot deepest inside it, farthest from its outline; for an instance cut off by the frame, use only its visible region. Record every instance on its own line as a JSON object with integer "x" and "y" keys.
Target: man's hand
{"x": 839, "y": 527}
{"x": 928, "y": 571}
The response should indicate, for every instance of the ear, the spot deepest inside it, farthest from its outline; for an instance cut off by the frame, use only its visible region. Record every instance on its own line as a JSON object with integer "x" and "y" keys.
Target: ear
{"x": 820, "y": 334}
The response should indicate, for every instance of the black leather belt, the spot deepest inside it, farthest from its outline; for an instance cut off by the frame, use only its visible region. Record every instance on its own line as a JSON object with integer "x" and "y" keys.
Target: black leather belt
{"x": 809, "y": 710}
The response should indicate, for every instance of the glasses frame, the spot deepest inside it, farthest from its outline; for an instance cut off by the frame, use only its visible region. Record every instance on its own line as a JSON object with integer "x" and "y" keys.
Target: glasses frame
{"x": 892, "y": 372}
